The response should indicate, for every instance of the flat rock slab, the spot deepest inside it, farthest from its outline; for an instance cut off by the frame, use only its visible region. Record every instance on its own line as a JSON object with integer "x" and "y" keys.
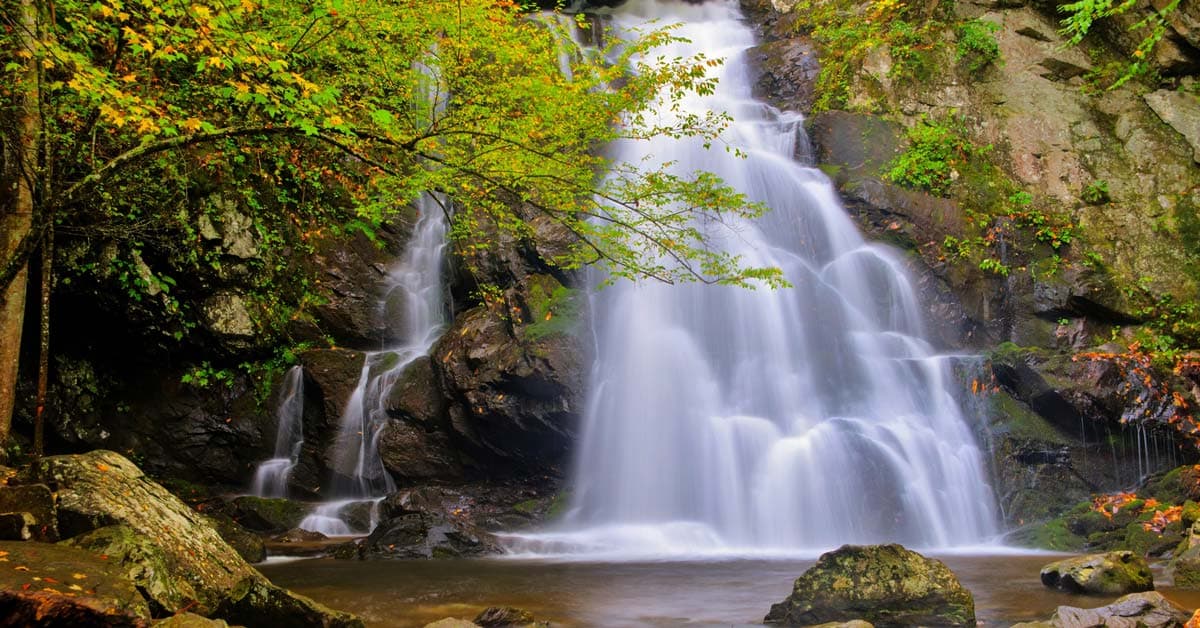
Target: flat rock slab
{"x": 69, "y": 582}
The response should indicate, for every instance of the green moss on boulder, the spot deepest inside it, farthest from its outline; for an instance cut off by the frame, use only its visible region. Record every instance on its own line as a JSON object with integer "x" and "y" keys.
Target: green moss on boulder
{"x": 886, "y": 585}
{"x": 1113, "y": 573}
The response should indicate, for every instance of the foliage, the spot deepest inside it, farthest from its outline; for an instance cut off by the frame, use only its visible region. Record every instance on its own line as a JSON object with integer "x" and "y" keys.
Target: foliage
{"x": 1083, "y": 14}
{"x": 935, "y": 152}
{"x": 977, "y": 46}
{"x": 167, "y": 126}
{"x": 1096, "y": 193}
{"x": 909, "y": 31}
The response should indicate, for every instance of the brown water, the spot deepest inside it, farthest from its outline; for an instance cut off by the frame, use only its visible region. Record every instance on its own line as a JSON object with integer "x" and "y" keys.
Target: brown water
{"x": 718, "y": 593}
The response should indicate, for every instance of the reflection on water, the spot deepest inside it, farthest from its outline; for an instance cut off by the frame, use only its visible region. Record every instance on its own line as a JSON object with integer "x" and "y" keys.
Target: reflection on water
{"x": 724, "y": 593}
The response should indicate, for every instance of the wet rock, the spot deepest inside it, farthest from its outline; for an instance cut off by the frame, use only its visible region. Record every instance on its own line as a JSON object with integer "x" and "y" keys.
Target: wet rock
{"x": 886, "y": 585}
{"x": 352, "y": 271}
{"x": 247, "y": 544}
{"x": 101, "y": 489}
{"x": 786, "y": 71}
{"x": 426, "y": 535}
{"x": 412, "y": 453}
{"x": 36, "y": 501}
{"x": 300, "y": 535}
{"x": 1114, "y": 573}
{"x": 105, "y": 594}
{"x": 416, "y": 395}
{"x": 516, "y": 392}
{"x": 1144, "y": 610}
{"x": 507, "y": 617}
{"x": 267, "y": 514}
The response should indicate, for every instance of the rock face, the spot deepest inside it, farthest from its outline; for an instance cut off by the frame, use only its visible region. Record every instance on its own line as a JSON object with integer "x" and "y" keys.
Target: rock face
{"x": 886, "y": 585}
{"x": 1114, "y": 573}
{"x": 177, "y": 560}
{"x": 1186, "y": 564}
{"x": 1148, "y": 610}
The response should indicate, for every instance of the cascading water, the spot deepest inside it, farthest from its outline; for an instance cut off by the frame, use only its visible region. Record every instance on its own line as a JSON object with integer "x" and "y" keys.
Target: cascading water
{"x": 271, "y": 476}
{"x": 414, "y": 303}
{"x": 732, "y": 420}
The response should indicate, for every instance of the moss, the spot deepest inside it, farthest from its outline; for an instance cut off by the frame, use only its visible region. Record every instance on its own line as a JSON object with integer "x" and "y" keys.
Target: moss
{"x": 1021, "y": 422}
{"x": 558, "y": 505}
{"x": 553, "y": 308}
{"x": 1052, "y": 535}
{"x": 528, "y": 507}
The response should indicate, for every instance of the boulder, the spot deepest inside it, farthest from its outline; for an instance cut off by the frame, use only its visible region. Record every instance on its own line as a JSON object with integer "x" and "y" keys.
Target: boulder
{"x": 267, "y": 514}
{"x": 174, "y": 554}
{"x": 1186, "y": 563}
{"x": 426, "y": 535}
{"x": 52, "y": 585}
{"x": 1113, "y": 573}
{"x": 1143, "y": 610}
{"x": 452, "y": 622}
{"x": 886, "y": 585}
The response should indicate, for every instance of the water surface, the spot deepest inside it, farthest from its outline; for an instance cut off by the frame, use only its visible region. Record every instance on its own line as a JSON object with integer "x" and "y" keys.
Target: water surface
{"x": 687, "y": 593}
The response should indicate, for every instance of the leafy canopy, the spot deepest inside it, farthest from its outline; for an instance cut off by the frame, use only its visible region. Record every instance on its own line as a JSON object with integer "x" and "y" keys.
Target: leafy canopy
{"x": 382, "y": 100}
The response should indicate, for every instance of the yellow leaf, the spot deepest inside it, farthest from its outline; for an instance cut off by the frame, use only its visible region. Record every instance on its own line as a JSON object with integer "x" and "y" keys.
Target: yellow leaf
{"x": 191, "y": 125}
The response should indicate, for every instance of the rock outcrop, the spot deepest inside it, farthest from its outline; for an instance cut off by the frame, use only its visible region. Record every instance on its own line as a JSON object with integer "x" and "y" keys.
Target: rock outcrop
{"x": 1114, "y": 573}
{"x": 886, "y": 585}
{"x": 177, "y": 560}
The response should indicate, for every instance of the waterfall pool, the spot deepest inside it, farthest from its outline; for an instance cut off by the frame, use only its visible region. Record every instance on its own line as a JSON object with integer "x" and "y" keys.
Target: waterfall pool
{"x": 734, "y": 592}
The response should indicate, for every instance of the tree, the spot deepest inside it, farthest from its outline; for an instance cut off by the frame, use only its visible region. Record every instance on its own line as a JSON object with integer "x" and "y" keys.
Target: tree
{"x": 384, "y": 100}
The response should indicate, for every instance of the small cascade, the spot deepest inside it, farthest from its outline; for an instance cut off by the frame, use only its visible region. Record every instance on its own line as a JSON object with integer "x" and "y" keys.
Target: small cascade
{"x": 414, "y": 307}
{"x": 271, "y": 476}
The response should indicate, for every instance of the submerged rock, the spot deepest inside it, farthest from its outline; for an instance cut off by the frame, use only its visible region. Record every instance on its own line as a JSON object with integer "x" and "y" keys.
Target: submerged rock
{"x": 173, "y": 554}
{"x": 1143, "y": 610}
{"x": 886, "y": 585}
{"x": 1113, "y": 573}
{"x": 507, "y": 617}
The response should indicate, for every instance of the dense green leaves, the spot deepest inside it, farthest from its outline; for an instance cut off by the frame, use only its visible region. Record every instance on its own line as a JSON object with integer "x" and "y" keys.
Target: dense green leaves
{"x": 323, "y": 115}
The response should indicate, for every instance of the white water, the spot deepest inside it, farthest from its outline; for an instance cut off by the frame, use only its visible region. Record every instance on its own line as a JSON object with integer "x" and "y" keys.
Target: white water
{"x": 271, "y": 476}
{"x": 724, "y": 420}
{"x": 414, "y": 305}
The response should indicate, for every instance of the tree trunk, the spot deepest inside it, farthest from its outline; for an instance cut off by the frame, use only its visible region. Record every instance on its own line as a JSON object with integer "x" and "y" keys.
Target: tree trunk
{"x": 20, "y": 173}
{"x": 43, "y": 377}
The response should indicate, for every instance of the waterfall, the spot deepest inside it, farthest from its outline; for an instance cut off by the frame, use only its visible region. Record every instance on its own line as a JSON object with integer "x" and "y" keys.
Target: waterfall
{"x": 414, "y": 307}
{"x": 271, "y": 476}
{"x": 725, "y": 419}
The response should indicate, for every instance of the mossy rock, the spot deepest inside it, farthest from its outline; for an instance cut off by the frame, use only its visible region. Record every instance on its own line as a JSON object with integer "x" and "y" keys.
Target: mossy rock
{"x": 268, "y": 514}
{"x": 886, "y": 585}
{"x": 1113, "y": 573}
{"x": 164, "y": 586}
{"x": 1051, "y": 535}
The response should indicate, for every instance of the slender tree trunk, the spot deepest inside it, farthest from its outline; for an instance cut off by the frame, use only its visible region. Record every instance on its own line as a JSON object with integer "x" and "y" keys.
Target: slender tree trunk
{"x": 39, "y": 422}
{"x": 21, "y": 164}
